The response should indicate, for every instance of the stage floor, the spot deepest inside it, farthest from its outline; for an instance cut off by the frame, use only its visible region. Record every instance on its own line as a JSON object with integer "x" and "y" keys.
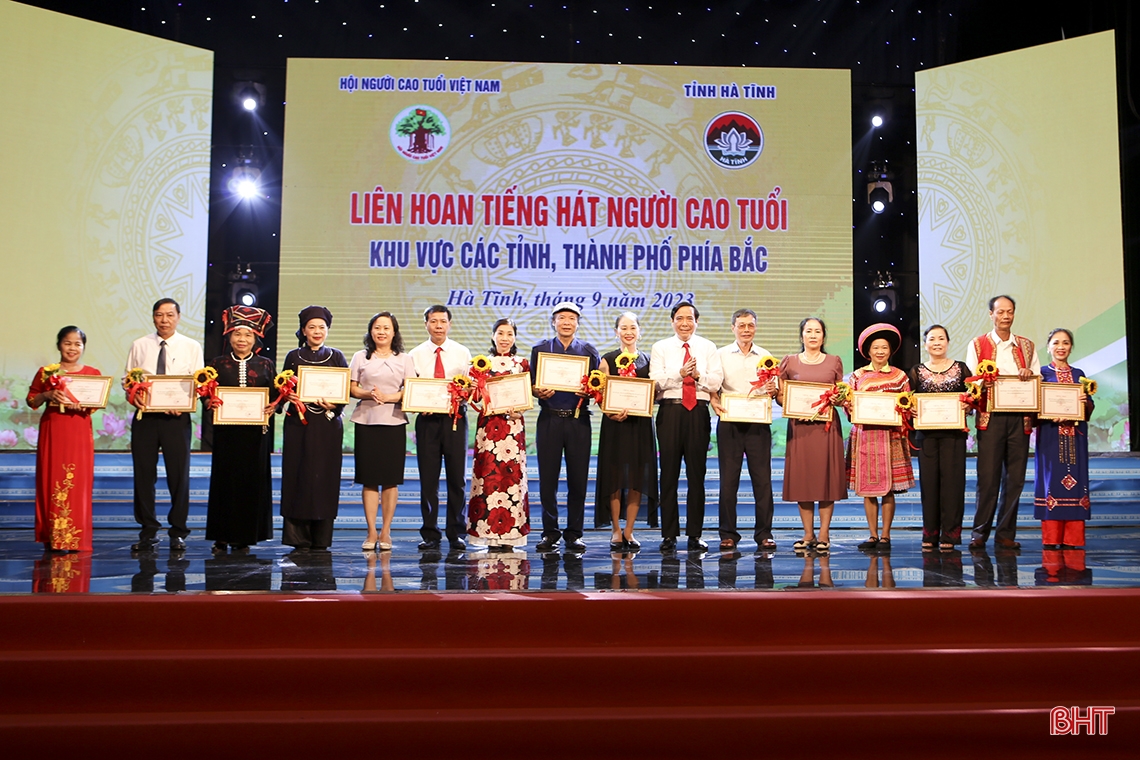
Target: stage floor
{"x": 1111, "y": 560}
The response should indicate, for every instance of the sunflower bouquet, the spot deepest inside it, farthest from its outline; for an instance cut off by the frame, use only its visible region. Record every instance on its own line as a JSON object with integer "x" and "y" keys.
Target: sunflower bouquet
{"x": 480, "y": 371}
{"x": 206, "y": 384}
{"x": 286, "y": 384}
{"x": 51, "y": 377}
{"x": 593, "y": 386}
{"x": 987, "y": 370}
{"x": 625, "y": 363}
{"x": 459, "y": 391}
{"x": 136, "y": 384}
{"x": 1088, "y": 385}
{"x": 766, "y": 370}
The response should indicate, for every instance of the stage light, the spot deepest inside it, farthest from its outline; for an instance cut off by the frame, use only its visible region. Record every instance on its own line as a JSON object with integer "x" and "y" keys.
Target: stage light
{"x": 245, "y": 177}
{"x": 880, "y": 192}
{"x": 249, "y": 100}
{"x": 243, "y": 285}
{"x": 249, "y": 95}
{"x": 884, "y": 296}
{"x": 247, "y": 188}
{"x": 246, "y": 297}
{"x": 876, "y": 120}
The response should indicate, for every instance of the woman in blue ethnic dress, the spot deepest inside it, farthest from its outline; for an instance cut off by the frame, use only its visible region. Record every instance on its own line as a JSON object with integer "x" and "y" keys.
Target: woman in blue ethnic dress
{"x": 1061, "y": 499}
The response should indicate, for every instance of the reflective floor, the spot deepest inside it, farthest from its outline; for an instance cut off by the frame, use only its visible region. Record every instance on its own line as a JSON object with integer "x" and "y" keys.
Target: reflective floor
{"x": 1110, "y": 559}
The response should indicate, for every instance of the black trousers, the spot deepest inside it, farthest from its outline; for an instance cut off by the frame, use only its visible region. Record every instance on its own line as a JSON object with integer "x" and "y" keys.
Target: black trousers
{"x": 735, "y": 441}
{"x": 1003, "y": 451}
{"x": 303, "y": 533}
{"x": 436, "y": 442}
{"x": 557, "y": 438}
{"x": 683, "y": 434}
{"x": 153, "y": 432}
{"x": 942, "y": 478}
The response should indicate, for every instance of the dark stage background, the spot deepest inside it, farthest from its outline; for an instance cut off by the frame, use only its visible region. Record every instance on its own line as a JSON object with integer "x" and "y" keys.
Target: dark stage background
{"x": 882, "y": 43}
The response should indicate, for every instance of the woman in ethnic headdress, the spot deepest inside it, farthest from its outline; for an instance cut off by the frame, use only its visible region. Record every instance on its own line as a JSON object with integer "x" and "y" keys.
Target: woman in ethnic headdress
{"x": 311, "y": 453}
{"x": 878, "y": 457}
{"x": 240, "y": 508}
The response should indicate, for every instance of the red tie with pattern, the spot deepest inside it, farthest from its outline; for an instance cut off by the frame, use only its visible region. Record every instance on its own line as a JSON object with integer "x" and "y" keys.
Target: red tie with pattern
{"x": 688, "y": 385}
{"x": 439, "y": 362}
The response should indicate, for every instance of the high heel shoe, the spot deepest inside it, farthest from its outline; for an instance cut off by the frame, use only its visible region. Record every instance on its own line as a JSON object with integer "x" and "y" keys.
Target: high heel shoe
{"x": 383, "y": 546}
{"x": 369, "y": 546}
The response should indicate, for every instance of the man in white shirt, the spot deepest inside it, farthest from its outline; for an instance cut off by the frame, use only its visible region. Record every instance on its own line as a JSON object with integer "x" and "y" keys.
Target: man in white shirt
{"x": 163, "y": 352}
{"x": 687, "y": 371}
{"x": 441, "y": 357}
{"x": 737, "y": 439}
{"x": 1003, "y": 437}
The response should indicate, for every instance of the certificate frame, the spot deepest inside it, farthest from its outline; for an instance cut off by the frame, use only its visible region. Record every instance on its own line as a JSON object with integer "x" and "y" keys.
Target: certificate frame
{"x": 869, "y": 408}
{"x": 798, "y": 398}
{"x": 1001, "y": 400}
{"x": 503, "y": 387}
{"x": 741, "y": 407}
{"x": 1058, "y": 398}
{"x": 553, "y": 369}
{"x": 226, "y": 414}
{"x": 310, "y": 377}
{"x": 181, "y": 387}
{"x": 639, "y": 390}
{"x": 422, "y": 395}
{"x": 929, "y": 409}
{"x": 97, "y": 387}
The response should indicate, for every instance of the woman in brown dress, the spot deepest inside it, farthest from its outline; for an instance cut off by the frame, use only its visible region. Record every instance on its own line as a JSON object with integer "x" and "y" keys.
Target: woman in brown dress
{"x": 814, "y": 466}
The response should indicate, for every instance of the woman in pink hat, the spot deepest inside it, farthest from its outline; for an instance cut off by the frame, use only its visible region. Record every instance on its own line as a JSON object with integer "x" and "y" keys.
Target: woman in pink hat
{"x": 878, "y": 457}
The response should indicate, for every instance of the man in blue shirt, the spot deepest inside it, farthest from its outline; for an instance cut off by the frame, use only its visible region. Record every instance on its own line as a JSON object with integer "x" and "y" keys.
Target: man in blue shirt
{"x": 563, "y": 430}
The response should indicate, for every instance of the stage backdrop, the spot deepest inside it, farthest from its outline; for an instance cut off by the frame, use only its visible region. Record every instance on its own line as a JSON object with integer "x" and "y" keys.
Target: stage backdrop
{"x": 103, "y": 199}
{"x": 1019, "y": 193}
{"x": 500, "y": 189}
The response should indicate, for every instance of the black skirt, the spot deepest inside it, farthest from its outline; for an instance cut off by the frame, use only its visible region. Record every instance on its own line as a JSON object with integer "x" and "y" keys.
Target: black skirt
{"x": 380, "y": 453}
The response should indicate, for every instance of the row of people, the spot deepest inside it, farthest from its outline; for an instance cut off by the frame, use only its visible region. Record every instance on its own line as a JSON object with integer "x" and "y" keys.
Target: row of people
{"x": 690, "y": 374}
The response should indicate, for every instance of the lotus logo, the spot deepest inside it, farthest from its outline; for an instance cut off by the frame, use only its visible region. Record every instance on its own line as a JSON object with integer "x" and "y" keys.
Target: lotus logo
{"x": 734, "y": 140}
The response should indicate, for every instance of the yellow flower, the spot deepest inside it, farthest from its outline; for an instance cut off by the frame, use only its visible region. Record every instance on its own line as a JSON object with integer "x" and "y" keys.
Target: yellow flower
{"x": 974, "y": 390}
{"x": 987, "y": 367}
{"x": 625, "y": 360}
{"x": 205, "y": 375}
{"x": 462, "y": 381}
{"x": 596, "y": 381}
{"x": 136, "y": 375}
{"x": 842, "y": 392}
{"x": 904, "y": 400}
{"x": 49, "y": 370}
{"x": 1089, "y": 386}
{"x": 282, "y": 378}
{"x": 481, "y": 364}
{"x": 768, "y": 363}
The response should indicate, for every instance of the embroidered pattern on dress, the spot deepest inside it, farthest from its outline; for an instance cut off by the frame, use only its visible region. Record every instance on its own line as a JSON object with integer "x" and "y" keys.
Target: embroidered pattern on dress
{"x": 64, "y": 532}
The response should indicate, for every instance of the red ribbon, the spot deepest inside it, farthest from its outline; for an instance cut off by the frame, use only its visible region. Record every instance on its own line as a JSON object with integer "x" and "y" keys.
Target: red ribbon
{"x": 827, "y": 398}
{"x": 288, "y": 387}
{"x": 763, "y": 377}
{"x": 209, "y": 391}
{"x": 457, "y": 394}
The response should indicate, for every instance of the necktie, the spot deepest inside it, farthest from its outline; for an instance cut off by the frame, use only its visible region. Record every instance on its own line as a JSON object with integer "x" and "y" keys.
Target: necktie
{"x": 439, "y": 362}
{"x": 688, "y": 385}
{"x": 160, "y": 368}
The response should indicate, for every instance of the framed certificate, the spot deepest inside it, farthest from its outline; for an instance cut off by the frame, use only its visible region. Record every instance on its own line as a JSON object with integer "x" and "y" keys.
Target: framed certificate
{"x": 322, "y": 384}
{"x": 427, "y": 395}
{"x": 90, "y": 391}
{"x": 632, "y": 395}
{"x": 939, "y": 411}
{"x": 799, "y": 397}
{"x": 171, "y": 393}
{"x": 508, "y": 393}
{"x": 1062, "y": 401}
{"x": 741, "y": 407}
{"x": 874, "y": 408}
{"x": 242, "y": 406}
{"x": 561, "y": 372}
{"x": 1009, "y": 393}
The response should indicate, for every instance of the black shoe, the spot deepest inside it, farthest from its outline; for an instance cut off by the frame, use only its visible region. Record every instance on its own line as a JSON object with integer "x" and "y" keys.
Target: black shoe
{"x": 457, "y": 544}
{"x": 219, "y": 547}
{"x": 697, "y": 544}
{"x": 633, "y": 545}
{"x": 145, "y": 545}
{"x": 1051, "y": 547}
{"x": 428, "y": 546}
{"x": 547, "y": 544}
{"x": 669, "y": 545}
{"x": 177, "y": 544}
{"x": 617, "y": 546}
{"x": 577, "y": 546}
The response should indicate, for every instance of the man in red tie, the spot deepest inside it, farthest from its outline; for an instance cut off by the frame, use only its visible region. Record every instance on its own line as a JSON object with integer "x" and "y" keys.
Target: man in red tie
{"x": 687, "y": 371}
{"x": 441, "y": 357}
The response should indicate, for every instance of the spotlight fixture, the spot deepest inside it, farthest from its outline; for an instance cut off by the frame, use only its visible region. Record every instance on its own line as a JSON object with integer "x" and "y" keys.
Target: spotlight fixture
{"x": 243, "y": 285}
{"x": 245, "y": 176}
{"x": 249, "y": 95}
{"x": 880, "y": 193}
{"x": 876, "y": 120}
{"x": 884, "y": 297}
